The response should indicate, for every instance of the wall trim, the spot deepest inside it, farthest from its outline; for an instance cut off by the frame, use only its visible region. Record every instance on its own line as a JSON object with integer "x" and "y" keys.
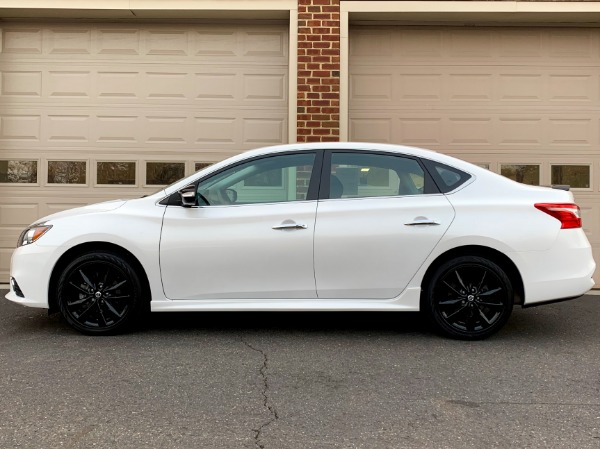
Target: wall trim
{"x": 147, "y": 9}
{"x": 356, "y": 6}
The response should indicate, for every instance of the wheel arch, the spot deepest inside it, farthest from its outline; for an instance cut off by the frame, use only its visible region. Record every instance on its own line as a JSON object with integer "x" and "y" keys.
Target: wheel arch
{"x": 492, "y": 255}
{"x": 88, "y": 247}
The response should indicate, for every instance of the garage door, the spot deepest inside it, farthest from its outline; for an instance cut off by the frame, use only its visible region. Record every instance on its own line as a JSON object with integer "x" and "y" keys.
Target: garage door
{"x": 91, "y": 112}
{"x": 523, "y": 102}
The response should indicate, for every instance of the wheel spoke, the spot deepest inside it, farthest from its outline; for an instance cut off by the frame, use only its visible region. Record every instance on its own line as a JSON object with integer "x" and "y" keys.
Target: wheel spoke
{"x": 79, "y": 288}
{"x": 101, "y": 315}
{"x": 490, "y": 292}
{"x": 119, "y": 297}
{"x": 450, "y": 302}
{"x": 115, "y": 286}
{"x": 456, "y": 312}
{"x": 112, "y": 309}
{"x": 462, "y": 284}
{"x": 451, "y": 288}
{"x": 79, "y": 301}
{"x": 490, "y": 304}
{"x": 105, "y": 277}
{"x": 470, "y": 322}
{"x": 86, "y": 310}
{"x": 86, "y": 280}
{"x": 482, "y": 279}
{"x": 484, "y": 317}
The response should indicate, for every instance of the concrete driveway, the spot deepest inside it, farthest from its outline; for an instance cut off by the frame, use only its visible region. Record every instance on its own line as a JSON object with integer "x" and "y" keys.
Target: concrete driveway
{"x": 303, "y": 380}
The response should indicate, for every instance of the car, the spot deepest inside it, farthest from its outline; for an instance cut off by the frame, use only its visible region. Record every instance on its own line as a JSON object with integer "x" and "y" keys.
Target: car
{"x": 312, "y": 227}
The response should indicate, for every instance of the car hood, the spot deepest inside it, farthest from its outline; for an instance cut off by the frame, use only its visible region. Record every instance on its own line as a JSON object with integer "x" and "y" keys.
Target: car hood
{"x": 90, "y": 209}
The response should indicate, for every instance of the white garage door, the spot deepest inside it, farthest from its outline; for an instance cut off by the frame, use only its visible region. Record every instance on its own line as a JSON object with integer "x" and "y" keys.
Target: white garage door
{"x": 90, "y": 112}
{"x": 524, "y": 102}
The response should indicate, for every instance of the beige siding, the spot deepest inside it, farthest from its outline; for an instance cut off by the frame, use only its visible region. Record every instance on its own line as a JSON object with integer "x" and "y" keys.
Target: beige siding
{"x": 95, "y": 93}
{"x": 494, "y": 96}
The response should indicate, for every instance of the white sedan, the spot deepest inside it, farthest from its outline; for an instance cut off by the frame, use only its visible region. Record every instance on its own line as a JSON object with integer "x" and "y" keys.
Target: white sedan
{"x": 319, "y": 227}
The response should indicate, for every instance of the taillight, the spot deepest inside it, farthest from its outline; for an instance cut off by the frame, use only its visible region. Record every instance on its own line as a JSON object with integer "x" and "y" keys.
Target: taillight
{"x": 567, "y": 213}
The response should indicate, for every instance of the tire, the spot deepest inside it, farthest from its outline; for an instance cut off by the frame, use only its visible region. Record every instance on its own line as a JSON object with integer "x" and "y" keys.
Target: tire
{"x": 99, "y": 293}
{"x": 468, "y": 298}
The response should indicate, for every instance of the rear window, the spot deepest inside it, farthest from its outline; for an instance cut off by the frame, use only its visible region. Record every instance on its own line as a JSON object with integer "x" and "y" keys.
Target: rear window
{"x": 447, "y": 178}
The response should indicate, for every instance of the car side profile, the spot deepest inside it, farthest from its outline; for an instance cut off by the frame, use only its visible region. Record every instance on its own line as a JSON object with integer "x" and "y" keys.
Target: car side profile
{"x": 313, "y": 227}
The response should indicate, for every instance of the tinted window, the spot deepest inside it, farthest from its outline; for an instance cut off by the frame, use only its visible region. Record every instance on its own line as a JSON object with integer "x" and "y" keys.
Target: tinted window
{"x": 447, "y": 178}
{"x": 359, "y": 175}
{"x": 267, "y": 180}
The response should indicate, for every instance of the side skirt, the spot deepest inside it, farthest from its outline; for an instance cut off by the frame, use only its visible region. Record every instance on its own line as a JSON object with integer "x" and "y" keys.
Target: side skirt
{"x": 408, "y": 301}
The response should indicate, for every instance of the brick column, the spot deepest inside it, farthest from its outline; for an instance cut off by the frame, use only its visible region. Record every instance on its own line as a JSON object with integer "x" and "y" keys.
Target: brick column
{"x": 318, "y": 70}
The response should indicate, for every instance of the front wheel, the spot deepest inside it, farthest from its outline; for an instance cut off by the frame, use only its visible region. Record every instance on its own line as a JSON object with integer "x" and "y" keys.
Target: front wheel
{"x": 468, "y": 298}
{"x": 99, "y": 293}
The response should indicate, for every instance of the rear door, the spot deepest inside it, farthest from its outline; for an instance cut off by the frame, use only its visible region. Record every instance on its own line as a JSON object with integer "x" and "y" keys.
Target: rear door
{"x": 380, "y": 215}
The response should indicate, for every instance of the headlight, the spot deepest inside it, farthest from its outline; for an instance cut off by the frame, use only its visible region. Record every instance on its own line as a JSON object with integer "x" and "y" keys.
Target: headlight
{"x": 33, "y": 233}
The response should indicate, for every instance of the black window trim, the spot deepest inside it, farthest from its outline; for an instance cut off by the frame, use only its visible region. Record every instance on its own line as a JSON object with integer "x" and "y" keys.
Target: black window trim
{"x": 326, "y": 172}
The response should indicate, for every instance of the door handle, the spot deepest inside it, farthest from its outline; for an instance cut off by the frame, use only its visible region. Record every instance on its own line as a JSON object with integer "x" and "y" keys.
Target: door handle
{"x": 425, "y": 222}
{"x": 290, "y": 226}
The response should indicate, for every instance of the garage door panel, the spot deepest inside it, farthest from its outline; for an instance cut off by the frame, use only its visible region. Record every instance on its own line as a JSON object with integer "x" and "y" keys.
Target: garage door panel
{"x": 263, "y": 130}
{"x": 366, "y": 128}
{"x": 456, "y": 130}
{"x": 131, "y": 128}
{"x": 117, "y": 42}
{"x": 464, "y": 86}
{"x": 478, "y": 46}
{"x": 520, "y": 101}
{"x": 18, "y": 214}
{"x": 21, "y": 83}
{"x": 94, "y": 111}
{"x": 20, "y": 126}
{"x": 83, "y": 85}
{"x": 204, "y": 42}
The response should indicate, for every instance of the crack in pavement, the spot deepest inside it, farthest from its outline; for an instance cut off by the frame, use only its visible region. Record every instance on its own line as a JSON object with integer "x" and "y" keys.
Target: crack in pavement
{"x": 266, "y": 401}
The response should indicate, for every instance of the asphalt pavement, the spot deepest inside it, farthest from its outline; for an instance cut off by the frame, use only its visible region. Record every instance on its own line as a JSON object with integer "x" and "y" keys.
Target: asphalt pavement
{"x": 301, "y": 380}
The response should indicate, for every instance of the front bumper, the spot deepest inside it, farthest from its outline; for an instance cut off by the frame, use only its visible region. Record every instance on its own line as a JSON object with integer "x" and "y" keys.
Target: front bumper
{"x": 31, "y": 267}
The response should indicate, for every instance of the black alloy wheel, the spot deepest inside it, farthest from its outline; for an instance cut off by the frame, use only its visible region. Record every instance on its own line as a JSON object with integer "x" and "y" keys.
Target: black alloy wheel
{"x": 99, "y": 293}
{"x": 469, "y": 298}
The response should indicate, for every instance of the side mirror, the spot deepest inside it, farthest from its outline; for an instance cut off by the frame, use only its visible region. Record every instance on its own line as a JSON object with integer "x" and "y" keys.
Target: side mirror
{"x": 188, "y": 196}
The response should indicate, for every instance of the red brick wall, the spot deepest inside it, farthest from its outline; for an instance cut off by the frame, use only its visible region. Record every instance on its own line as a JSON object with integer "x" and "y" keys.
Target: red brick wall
{"x": 318, "y": 70}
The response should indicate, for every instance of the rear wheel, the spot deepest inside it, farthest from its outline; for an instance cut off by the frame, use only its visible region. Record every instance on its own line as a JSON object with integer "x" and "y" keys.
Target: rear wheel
{"x": 99, "y": 293}
{"x": 468, "y": 298}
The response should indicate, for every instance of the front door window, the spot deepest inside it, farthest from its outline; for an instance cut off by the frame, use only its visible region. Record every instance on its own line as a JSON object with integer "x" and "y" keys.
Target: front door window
{"x": 272, "y": 179}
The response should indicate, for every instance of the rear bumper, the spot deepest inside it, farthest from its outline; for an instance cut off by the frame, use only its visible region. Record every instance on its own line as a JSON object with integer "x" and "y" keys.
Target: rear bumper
{"x": 563, "y": 272}
{"x": 552, "y": 301}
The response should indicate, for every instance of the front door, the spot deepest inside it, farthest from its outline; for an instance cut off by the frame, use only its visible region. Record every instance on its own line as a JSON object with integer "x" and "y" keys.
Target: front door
{"x": 249, "y": 237}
